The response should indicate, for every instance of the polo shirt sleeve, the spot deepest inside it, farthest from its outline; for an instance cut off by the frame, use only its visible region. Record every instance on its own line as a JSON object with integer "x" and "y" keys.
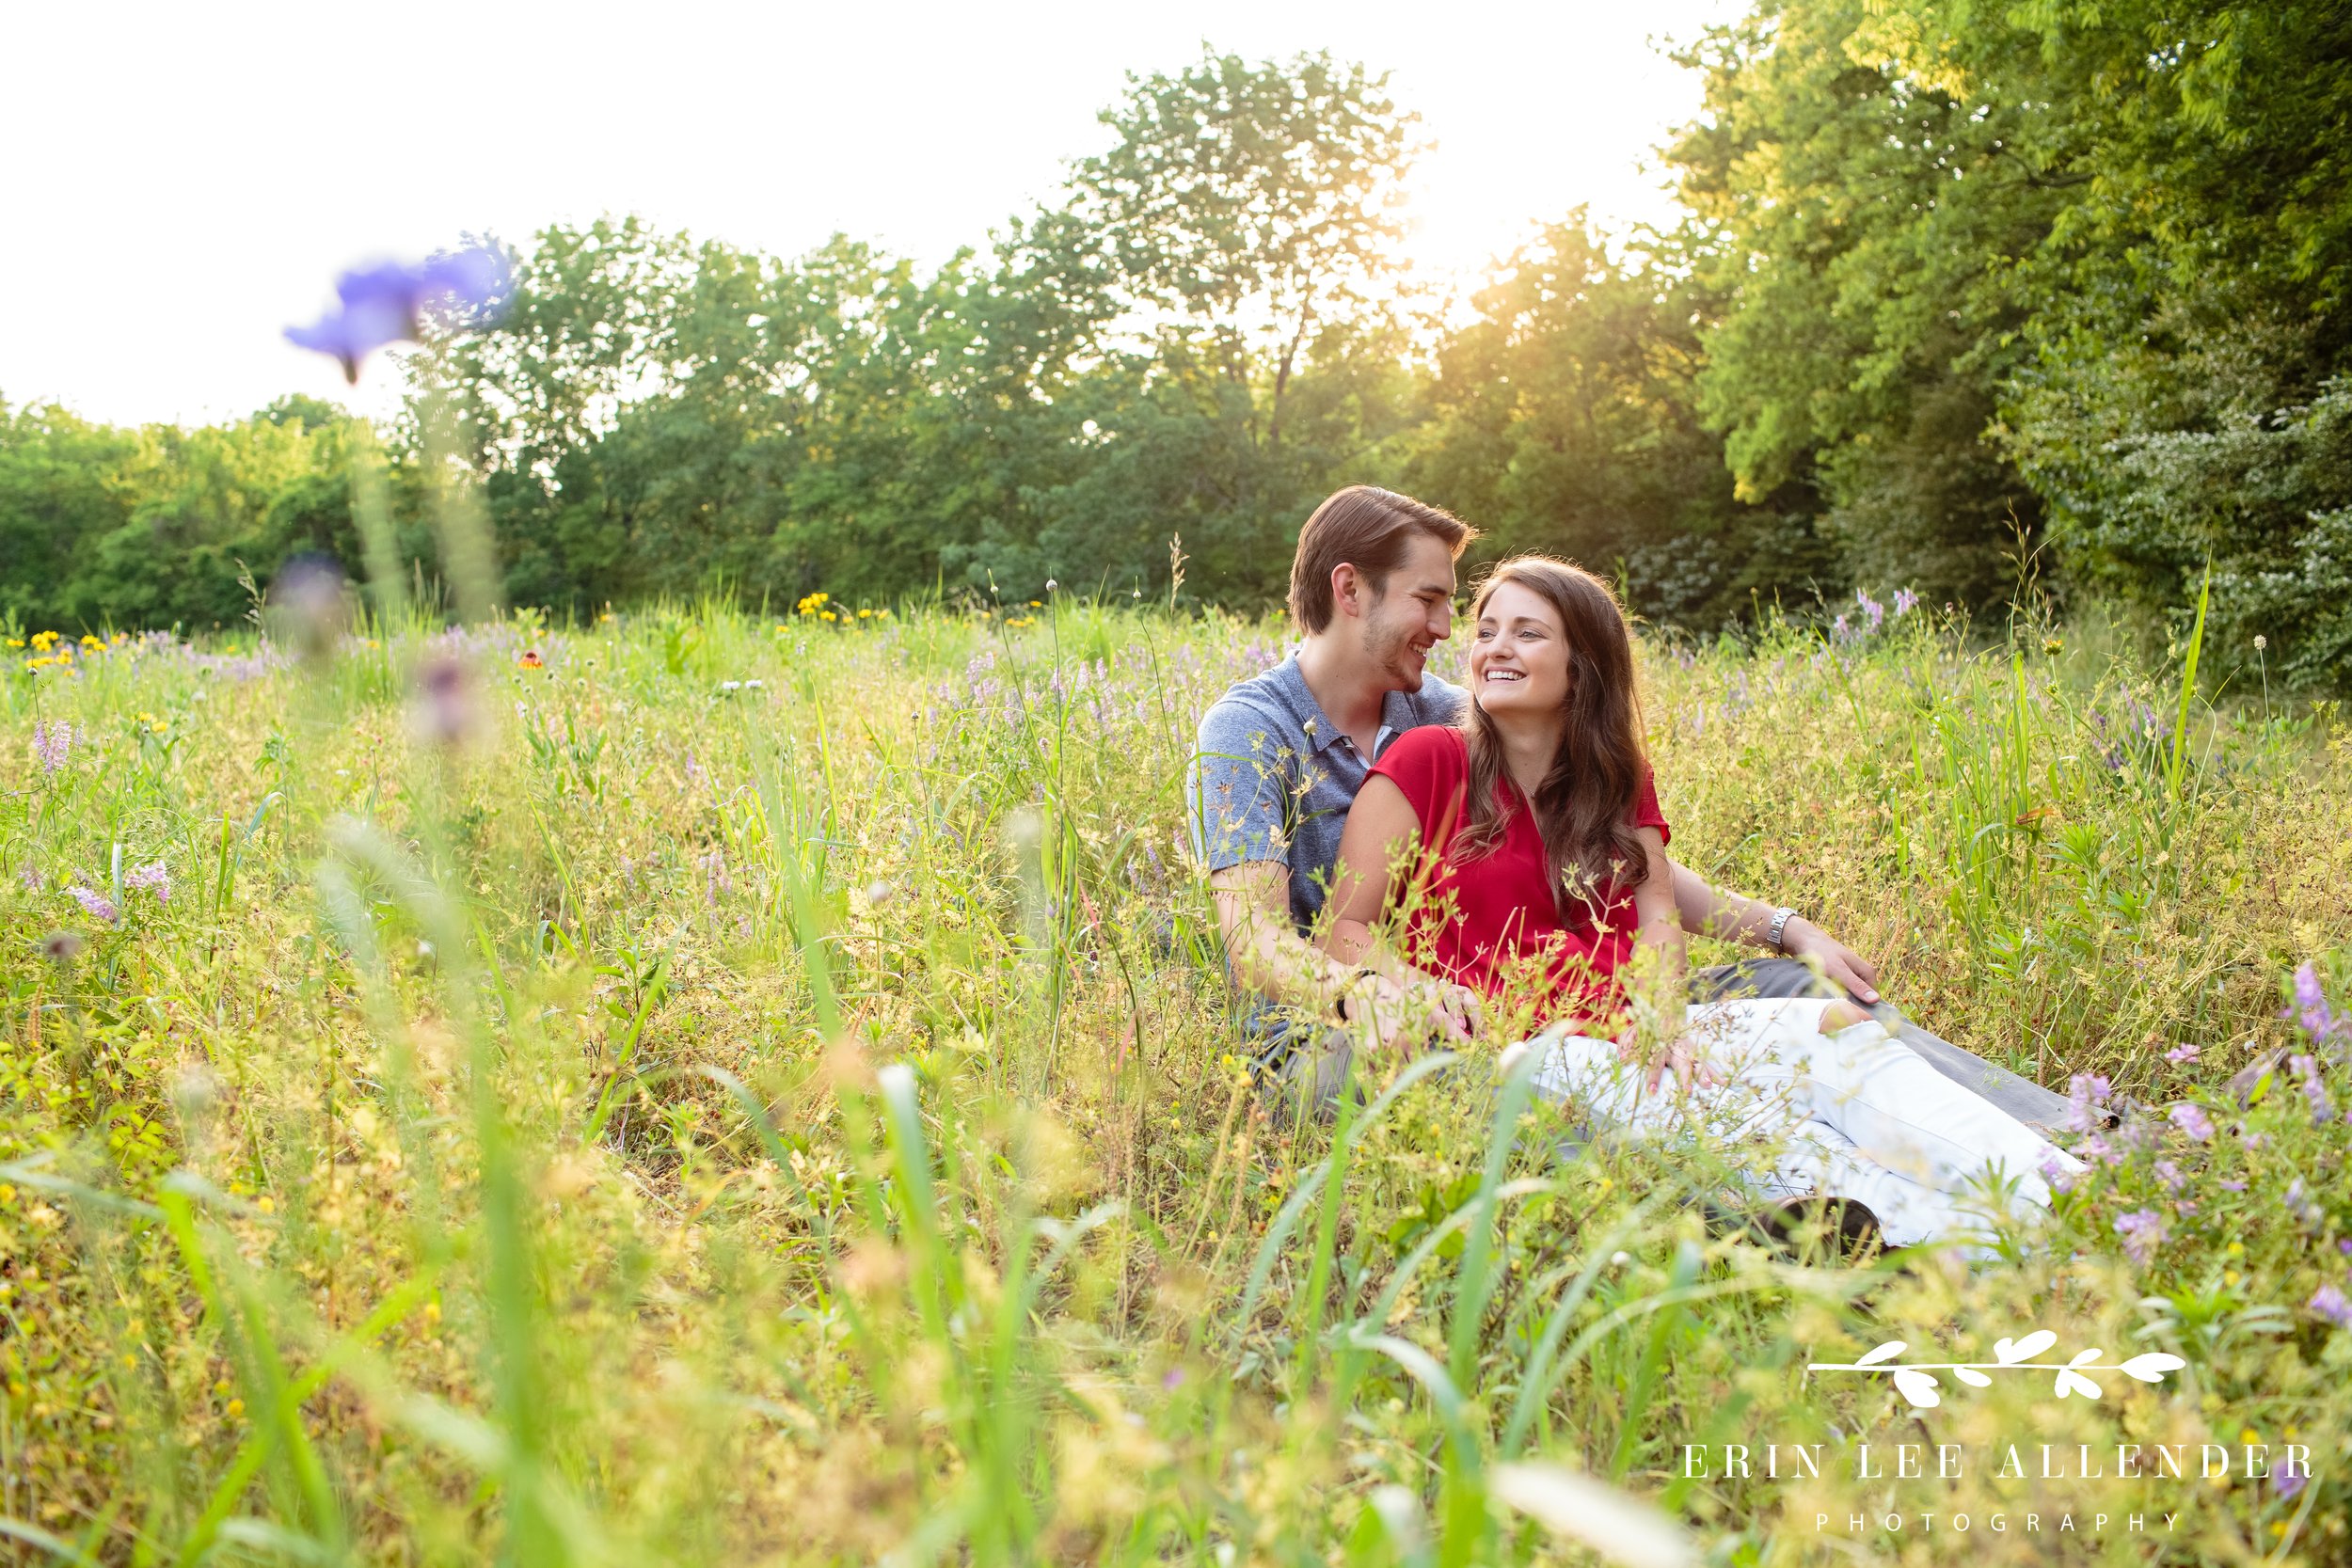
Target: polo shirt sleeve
{"x": 1238, "y": 788}
{"x": 1646, "y": 812}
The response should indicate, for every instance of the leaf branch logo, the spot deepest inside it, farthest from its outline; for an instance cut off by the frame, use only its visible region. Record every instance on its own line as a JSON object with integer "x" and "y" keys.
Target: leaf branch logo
{"x": 1915, "y": 1380}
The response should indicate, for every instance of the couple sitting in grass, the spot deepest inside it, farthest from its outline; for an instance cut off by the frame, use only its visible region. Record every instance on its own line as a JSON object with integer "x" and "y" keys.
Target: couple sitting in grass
{"x": 1397, "y": 861}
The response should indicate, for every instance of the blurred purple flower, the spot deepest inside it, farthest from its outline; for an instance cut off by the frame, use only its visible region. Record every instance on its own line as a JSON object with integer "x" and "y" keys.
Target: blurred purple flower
{"x": 1870, "y": 606}
{"x": 2329, "y": 1303}
{"x": 2231, "y": 1186}
{"x": 2086, "y": 1101}
{"x": 1905, "y": 601}
{"x": 443, "y": 709}
{"x": 52, "y": 745}
{"x": 2143, "y": 1230}
{"x": 2288, "y": 1477}
{"x": 2181, "y": 1054}
{"x": 2307, "y": 1069}
{"x": 2192, "y": 1121}
{"x": 383, "y": 304}
{"x": 154, "y": 876}
{"x": 2170, "y": 1175}
{"x": 95, "y": 904}
{"x": 2310, "y": 1007}
{"x": 2060, "y": 1177}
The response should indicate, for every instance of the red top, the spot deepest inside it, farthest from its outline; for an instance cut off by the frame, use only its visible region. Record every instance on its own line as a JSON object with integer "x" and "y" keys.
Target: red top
{"x": 1487, "y": 921}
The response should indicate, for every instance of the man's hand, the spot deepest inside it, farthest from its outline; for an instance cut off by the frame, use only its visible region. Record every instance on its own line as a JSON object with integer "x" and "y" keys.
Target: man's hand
{"x": 1405, "y": 1017}
{"x": 1843, "y": 966}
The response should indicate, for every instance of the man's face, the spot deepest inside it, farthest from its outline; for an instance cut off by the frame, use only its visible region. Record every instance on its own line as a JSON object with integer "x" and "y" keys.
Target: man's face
{"x": 1412, "y": 613}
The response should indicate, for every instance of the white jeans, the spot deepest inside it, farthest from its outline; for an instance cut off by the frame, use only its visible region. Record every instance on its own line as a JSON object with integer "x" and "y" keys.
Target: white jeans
{"x": 1855, "y": 1115}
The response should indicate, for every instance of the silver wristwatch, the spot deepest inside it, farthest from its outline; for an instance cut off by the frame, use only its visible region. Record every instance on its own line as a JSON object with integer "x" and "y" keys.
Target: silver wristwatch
{"x": 1773, "y": 932}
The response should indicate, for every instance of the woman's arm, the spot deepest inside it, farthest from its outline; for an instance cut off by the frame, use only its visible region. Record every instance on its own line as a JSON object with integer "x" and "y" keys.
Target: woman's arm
{"x": 1659, "y": 936}
{"x": 1381, "y": 825}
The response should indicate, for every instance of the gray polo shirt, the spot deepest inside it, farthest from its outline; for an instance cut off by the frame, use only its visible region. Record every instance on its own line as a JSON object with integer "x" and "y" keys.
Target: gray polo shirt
{"x": 1272, "y": 777}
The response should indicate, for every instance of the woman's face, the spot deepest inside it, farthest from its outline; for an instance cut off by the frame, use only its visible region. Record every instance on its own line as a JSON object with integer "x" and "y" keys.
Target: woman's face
{"x": 1520, "y": 659}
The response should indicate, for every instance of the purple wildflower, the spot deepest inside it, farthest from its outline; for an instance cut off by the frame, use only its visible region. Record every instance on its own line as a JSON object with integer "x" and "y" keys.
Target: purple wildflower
{"x": 2143, "y": 1230}
{"x": 2307, "y": 1069}
{"x": 383, "y": 304}
{"x": 1840, "y": 631}
{"x": 30, "y": 877}
{"x": 153, "y": 876}
{"x": 2060, "y": 1176}
{"x": 2311, "y": 1004}
{"x": 2086, "y": 1101}
{"x": 2329, "y": 1303}
{"x": 2288, "y": 1477}
{"x": 2181, "y": 1054}
{"x": 1870, "y": 606}
{"x": 2170, "y": 1175}
{"x": 95, "y": 904}
{"x": 2192, "y": 1119}
{"x": 2299, "y": 1203}
{"x": 1905, "y": 601}
{"x": 2231, "y": 1186}
{"x": 52, "y": 744}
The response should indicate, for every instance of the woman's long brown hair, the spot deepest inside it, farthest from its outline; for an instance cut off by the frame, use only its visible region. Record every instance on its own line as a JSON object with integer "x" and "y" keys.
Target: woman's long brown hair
{"x": 1584, "y": 805}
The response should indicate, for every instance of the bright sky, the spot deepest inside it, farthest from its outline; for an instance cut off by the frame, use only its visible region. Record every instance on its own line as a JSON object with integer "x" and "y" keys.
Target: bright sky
{"x": 186, "y": 181}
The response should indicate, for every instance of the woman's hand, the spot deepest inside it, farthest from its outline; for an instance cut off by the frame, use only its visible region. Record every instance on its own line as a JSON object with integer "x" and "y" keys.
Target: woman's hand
{"x": 1684, "y": 1060}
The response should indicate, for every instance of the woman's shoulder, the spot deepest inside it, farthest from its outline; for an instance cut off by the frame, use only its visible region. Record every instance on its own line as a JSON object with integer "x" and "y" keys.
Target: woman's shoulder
{"x": 1428, "y": 743}
{"x": 1425, "y": 761}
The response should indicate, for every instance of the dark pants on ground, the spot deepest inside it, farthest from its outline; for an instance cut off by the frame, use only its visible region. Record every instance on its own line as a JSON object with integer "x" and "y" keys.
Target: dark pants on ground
{"x": 1304, "y": 1069}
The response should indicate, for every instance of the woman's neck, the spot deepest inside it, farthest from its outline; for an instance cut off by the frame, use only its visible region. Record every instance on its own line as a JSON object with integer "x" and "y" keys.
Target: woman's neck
{"x": 1529, "y": 745}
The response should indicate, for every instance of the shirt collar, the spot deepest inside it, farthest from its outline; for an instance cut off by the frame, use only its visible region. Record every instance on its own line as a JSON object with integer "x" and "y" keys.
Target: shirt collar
{"x": 1398, "y": 712}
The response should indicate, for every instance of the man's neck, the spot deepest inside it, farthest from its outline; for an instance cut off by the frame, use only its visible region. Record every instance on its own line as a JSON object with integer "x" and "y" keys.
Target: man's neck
{"x": 1345, "y": 688}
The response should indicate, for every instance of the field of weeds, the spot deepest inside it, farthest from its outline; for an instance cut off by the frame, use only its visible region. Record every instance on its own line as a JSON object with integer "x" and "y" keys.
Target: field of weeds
{"x": 703, "y": 1089}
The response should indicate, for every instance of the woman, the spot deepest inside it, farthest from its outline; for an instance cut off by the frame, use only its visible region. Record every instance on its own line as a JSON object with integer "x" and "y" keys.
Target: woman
{"x": 1545, "y": 870}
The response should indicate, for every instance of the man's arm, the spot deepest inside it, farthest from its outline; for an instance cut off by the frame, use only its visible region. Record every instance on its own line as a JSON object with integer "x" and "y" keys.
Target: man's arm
{"x": 1271, "y": 957}
{"x": 1705, "y": 911}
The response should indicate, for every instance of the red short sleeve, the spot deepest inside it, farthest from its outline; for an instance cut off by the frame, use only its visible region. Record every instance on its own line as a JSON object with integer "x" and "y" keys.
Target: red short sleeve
{"x": 1430, "y": 764}
{"x": 1646, "y": 813}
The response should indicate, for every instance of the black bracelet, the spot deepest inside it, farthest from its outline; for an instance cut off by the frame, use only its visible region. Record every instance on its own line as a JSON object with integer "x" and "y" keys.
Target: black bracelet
{"x": 1339, "y": 1001}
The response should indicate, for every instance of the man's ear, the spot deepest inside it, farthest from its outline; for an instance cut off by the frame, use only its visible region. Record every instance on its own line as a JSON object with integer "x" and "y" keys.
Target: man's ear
{"x": 1350, "y": 592}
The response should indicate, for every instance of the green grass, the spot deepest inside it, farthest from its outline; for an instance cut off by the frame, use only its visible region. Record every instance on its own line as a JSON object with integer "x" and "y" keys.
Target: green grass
{"x": 689, "y": 1119}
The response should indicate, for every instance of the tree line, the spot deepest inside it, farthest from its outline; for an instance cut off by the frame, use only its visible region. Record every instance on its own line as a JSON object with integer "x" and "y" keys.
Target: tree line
{"x": 1963, "y": 296}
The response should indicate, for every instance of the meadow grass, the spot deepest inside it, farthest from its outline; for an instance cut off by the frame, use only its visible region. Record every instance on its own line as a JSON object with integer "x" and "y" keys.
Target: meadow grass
{"x": 704, "y": 1087}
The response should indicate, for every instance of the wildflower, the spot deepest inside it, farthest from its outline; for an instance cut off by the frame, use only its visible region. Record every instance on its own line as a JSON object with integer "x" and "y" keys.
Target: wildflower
{"x": 531, "y": 659}
{"x": 1905, "y": 601}
{"x": 153, "y": 876}
{"x": 2311, "y": 1003}
{"x": 95, "y": 904}
{"x": 2170, "y": 1175}
{"x": 2143, "y": 1231}
{"x": 2086, "y": 1103}
{"x": 52, "y": 745}
{"x": 2329, "y": 1303}
{"x": 2307, "y": 1069}
{"x": 383, "y": 304}
{"x": 61, "y": 947}
{"x": 442, "y": 712}
{"x": 1870, "y": 606}
{"x": 2060, "y": 1176}
{"x": 2192, "y": 1119}
{"x": 2260, "y": 642}
{"x": 2297, "y": 1201}
{"x": 1051, "y": 585}
{"x": 2231, "y": 1186}
{"x": 2183, "y": 1053}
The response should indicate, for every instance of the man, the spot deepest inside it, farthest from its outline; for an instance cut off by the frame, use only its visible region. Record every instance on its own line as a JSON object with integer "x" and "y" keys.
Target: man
{"x": 1280, "y": 756}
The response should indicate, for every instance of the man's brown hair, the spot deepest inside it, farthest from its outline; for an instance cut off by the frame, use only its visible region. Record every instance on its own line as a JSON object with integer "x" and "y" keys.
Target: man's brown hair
{"x": 1370, "y": 528}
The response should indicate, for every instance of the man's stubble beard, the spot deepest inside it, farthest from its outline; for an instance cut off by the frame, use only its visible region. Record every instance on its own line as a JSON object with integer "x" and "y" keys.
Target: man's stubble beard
{"x": 1390, "y": 652}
